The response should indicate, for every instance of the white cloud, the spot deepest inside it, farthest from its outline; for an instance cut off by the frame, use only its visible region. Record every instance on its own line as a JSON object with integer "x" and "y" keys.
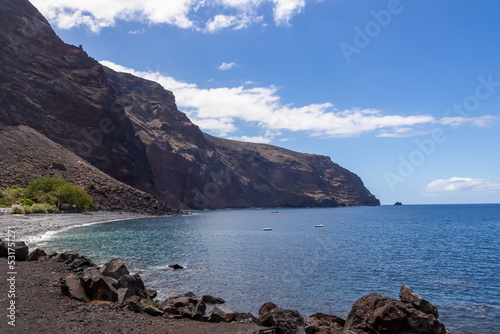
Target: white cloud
{"x": 220, "y": 109}
{"x": 264, "y": 139}
{"x": 464, "y": 184}
{"x": 221, "y": 125}
{"x": 220, "y": 22}
{"x": 284, "y": 10}
{"x": 253, "y": 139}
{"x": 227, "y": 66}
{"x": 218, "y": 14}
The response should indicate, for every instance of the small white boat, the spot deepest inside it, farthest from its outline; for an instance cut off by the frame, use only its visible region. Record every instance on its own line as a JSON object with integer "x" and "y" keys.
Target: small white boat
{"x": 267, "y": 229}
{"x": 321, "y": 225}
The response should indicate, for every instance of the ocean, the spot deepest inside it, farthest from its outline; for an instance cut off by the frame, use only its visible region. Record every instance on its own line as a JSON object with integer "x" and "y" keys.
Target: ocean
{"x": 449, "y": 254}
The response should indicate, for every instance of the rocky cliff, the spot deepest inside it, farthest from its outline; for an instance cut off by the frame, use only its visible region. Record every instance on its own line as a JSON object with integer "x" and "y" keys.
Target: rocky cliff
{"x": 130, "y": 129}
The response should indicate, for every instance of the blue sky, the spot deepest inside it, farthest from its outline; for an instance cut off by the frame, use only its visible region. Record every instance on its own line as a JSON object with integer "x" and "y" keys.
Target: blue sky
{"x": 404, "y": 93}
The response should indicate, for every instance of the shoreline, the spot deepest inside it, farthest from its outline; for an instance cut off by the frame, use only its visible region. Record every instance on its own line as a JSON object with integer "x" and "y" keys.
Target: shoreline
{"x": 36, "y": 227}
{"x": 98, "y": 317}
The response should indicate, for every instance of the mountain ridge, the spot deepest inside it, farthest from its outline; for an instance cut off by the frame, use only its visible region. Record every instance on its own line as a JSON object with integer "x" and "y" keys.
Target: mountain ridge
{"x": 130, "y": 129}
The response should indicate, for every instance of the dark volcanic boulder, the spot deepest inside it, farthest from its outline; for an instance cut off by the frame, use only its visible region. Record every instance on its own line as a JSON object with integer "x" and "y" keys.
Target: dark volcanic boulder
{"x": 212, "y": 300}
{"x": 152, "y": 311}
{"x": 20, "y": 249}
{"x": 102, "y": 290}
{"x": 375, "y": 314}
{"x": 65, "y": 257}
{"x": 151, "y": 294}
{"x": 246, "y": 318}
{"x": 37, "y": 255}
{"x": 72, "y": 287}
{"x": 321, "y": 323}
{"x": 80, "y": 263}
{"x": 110, "y": 283}
{"x": 128, "y": 286}
{"x": 175, "y": 266}
{"x": 4, "y": 252}
{"x": 114, "y": 268}
{"x": 406, "y": 295}
{"x": 97, "y": 286}
{"x": 137, "y": 305}
{"x": 185, "y": 306}
{"x": 291, "y": 321}
{"x": 134, "y": 303}
{"x": 265, "y": 310}
{"x": 221, "y": 314}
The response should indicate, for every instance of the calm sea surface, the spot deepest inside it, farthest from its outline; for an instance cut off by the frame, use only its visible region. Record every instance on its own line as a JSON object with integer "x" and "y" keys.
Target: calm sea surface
{"x": 449, "y": 254}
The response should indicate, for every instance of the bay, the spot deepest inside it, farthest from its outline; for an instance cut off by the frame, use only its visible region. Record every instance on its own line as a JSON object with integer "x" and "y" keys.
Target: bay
{"x": 449, "y": 254}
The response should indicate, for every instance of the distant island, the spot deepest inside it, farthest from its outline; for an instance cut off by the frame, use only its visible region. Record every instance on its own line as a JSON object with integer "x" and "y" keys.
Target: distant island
{"x": 398, "y": 203}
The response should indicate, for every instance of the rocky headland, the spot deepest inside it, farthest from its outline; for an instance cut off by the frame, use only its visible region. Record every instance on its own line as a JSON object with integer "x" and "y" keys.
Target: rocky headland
{"x": 124, "y": 141}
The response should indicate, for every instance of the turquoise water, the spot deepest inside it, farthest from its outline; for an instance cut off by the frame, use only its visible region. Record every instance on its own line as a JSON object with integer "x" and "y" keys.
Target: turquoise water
{"x": 449, "y": 254}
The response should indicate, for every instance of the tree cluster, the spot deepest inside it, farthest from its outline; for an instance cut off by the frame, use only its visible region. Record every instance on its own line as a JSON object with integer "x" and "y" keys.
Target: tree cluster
{"x": 47, "y": 194}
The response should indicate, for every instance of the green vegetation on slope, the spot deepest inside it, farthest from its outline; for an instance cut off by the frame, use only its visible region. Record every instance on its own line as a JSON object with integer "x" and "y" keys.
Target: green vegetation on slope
{"x": 47, "y": 195}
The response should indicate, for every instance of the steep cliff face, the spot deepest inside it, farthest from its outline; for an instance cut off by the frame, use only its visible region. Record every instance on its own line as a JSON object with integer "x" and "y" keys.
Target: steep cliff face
{"x": 58, "y": 90}
{"x": 280, "y": 177}
{"x": 130, "y": 129}
{"x": 201, "y": 171}
{"x": 27, "y": 154}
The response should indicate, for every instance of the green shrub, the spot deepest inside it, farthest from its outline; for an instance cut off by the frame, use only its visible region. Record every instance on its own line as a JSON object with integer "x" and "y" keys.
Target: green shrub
{"x": 59, "y": 192}
{"x": 51, "y": 208}
{"x": 75, "y": 197}
{"x": 27, "y": 209}
{"x": 26, "y": 202}
{"x": 15, "y": 193}
{"x": 44, "y": 208}
{"x": 44, "y": 185}
{"x": 5, "y": 203}
{"x": 2, "y": 194}
{"x": 18, "y": 210}
{"x": 50, "y": 198}
{"x": 39, "y": 208}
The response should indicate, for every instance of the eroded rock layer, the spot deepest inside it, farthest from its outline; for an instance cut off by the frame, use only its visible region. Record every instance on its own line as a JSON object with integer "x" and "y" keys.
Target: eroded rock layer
{"x": 131, "y": 130}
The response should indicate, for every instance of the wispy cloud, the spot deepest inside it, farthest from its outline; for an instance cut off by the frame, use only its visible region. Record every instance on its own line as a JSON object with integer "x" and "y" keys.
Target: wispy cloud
{"x": 219, "y": 110}
{"x": 227, "y": 66}
{"x": 464, "y": 184}
{"x": 222, "y": 14}
{"x": 137, "y": 32}
{"x": 482, "y": 122}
